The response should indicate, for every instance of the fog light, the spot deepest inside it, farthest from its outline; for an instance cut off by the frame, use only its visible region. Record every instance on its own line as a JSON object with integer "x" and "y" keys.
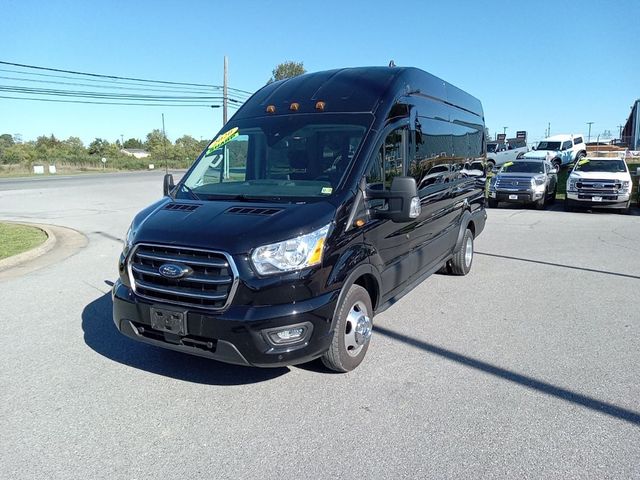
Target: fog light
{"x": 288, "y": 335}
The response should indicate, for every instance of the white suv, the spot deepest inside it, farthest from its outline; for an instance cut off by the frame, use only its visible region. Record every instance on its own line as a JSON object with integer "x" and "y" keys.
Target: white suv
{"x": 498, "y": 153}
{"x": 599, "y": 182}
{"x": 560, "y": 149}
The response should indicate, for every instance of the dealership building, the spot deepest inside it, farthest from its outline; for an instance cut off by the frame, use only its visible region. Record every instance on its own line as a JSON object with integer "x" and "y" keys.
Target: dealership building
{"x": 630, "y": 134}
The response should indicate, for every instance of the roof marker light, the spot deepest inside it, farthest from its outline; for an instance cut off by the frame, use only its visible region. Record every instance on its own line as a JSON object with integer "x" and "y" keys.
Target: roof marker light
{"x": 271, "y": 109}
{"x": 320, "y": 106}
{"x": 294, "y": 107}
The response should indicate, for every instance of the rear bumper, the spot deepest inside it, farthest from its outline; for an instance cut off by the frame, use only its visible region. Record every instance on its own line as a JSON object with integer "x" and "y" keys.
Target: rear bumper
{"x": 235, "y": 335}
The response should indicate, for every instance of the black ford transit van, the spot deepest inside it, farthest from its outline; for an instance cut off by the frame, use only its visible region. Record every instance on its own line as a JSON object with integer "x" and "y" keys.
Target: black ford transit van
{"x": 321, "y": 202}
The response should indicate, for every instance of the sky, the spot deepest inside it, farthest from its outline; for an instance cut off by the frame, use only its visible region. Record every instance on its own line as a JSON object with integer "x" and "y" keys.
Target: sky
{"x": 530, "y": 63}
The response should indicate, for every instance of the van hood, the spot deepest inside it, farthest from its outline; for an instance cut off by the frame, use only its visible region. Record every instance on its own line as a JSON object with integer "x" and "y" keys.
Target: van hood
{"x": 230, "y": 226}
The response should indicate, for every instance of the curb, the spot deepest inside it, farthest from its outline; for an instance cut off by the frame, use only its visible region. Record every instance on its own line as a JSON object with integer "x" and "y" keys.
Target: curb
{"x": 29, "y": 255}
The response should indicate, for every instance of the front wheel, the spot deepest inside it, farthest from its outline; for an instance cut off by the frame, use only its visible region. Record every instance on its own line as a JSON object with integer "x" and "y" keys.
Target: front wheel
{"x": 352, "y": 334}
{"x": 539, "y": 204}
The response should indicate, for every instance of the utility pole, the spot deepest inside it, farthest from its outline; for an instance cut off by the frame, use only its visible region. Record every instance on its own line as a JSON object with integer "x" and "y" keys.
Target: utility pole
{"x": 164, "y": 143}
{"x": 504, "y": 130}
{"x": 620, "y": 135}
{"x": 224, "y": 92}
{"x": 589, "y": 136}
{"x": 121, "y": 141}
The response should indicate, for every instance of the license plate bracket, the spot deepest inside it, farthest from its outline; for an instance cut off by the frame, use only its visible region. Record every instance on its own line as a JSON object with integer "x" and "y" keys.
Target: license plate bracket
{"x": 170, "y": 321}
{"x": 513, "y": 197}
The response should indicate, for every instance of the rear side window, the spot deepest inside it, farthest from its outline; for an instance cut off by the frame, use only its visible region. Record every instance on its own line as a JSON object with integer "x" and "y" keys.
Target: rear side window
{"x": 577, "y": 140}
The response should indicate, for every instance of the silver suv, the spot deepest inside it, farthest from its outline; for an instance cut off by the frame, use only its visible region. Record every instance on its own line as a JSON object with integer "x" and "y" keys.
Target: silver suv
{"x": 526, "y": 182}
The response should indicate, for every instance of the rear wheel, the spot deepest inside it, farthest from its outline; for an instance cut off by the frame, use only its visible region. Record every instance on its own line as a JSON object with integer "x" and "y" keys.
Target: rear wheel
{"x": 462, "y": 259}
{"x": 491, "y": 165}
{"x": 352, "y": 334}
{"x": 557, "y": 164}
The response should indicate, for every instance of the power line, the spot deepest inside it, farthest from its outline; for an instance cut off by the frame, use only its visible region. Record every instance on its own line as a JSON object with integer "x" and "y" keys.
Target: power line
{"x": 111, "y": 103}
{"x": 111, "y": 83}
{"x": 114, "y": 77}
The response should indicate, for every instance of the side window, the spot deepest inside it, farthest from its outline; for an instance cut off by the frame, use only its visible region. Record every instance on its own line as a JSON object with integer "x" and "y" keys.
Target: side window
{"x": 432, "y": 163}
{"x": 567, "y": 145}
{"x": 577, "y": 140}
{"x": 389, "y": 161}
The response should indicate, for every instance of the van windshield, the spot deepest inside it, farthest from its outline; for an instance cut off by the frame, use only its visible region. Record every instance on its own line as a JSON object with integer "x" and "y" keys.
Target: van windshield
{"x": 280, "y": 158}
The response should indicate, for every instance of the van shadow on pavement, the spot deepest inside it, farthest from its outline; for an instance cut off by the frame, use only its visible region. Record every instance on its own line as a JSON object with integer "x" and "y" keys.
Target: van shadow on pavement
{"x": 101, "y": 335}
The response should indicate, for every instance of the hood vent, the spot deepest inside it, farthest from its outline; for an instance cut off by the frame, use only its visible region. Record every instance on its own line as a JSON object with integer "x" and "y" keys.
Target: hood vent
{"x": 262, "y": 212}
{"x": 182, "y": 207}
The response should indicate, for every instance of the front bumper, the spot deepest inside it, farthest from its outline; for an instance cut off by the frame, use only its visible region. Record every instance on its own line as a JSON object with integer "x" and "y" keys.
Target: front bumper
{"x": 575, "y": 199}
{"x": 522, "y": 196}
{"x": 235, "y": 335}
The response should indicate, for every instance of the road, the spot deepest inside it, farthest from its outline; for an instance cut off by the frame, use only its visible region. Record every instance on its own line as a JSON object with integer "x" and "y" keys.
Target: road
{"x": 525, "y": 368}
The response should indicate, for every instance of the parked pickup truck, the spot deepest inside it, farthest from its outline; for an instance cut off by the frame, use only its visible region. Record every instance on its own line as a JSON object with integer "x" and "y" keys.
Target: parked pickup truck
{"x": 498, "y": 153}
{"x": 526, "y": 182}
{"x": 599, "y": 182}
{"x": 559, "y": 150}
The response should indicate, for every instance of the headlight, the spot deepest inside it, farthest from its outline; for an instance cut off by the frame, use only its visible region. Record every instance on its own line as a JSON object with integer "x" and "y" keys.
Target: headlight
{"x": 127, "y": 242}
{"x": 290, "y": 255}
{"x": 571, "y": 183}
{"x": 625, "y": 186}
{"x": 537, "y": 181}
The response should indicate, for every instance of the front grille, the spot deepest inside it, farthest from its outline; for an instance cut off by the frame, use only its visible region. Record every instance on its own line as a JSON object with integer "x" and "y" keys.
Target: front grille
{"x": 210, "y": 284}
{"x": 599, "y": 187}
{"x": 513, "y": 183}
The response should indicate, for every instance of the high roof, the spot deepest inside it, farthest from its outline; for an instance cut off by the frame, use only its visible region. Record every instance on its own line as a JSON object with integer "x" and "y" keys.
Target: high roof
{"x": 361, "y": 89}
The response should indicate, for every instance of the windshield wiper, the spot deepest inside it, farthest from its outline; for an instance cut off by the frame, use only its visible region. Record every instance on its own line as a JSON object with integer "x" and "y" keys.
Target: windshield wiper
{"x": 189, "y": 190}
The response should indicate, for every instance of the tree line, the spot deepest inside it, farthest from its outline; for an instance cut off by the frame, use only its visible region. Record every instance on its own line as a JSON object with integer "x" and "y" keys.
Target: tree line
{"x": 49, "y": 150}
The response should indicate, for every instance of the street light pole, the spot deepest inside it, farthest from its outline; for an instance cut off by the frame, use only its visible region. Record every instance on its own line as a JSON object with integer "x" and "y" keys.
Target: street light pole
{"x": 589, "y": 136}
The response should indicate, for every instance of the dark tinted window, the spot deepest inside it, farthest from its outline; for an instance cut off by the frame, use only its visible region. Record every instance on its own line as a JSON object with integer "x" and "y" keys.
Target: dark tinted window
{"x": 567, "y": 145}
{"x": 389, "y": 161}
{"x": 577, "y": 140}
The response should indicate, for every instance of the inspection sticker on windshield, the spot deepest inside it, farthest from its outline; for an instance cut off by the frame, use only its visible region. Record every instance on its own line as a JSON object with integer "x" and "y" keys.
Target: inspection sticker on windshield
{"x": 222, "y": 140}
{"x": 326, "y": 190}
{"x": 582, "y": 162}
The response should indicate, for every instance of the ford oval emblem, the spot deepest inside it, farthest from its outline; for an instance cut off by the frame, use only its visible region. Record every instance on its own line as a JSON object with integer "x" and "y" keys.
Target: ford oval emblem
{"x": 173, "y": 270}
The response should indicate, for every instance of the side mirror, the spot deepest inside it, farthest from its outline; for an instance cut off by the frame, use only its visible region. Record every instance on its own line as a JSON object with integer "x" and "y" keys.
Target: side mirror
{"x": 168, "y": 184}
{"x": 402, "y": 201}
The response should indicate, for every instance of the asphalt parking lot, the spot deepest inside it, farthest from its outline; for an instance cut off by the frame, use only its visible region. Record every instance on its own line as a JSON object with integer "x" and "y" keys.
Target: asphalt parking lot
{"x": 526, "y": 368}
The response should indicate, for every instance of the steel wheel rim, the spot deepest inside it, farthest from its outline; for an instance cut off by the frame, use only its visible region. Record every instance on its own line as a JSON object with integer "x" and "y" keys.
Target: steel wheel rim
{"x": 468, "y": 252}
{"x": 357, "y": 329}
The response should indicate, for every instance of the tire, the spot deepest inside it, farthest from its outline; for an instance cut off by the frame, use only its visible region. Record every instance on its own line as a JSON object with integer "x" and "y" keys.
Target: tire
{"x": 540, "y": 204}
{"x": 567, "y": 206}
{"x": 352, "y": 333}
{"x": 625, "y": 210}
{"x": 579, "y": 157}
{"x": 491, "y": 165}
{"x": 557, "y": 163}
{"x": 493, "y": 203}
{"x": 462, "y": 259}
